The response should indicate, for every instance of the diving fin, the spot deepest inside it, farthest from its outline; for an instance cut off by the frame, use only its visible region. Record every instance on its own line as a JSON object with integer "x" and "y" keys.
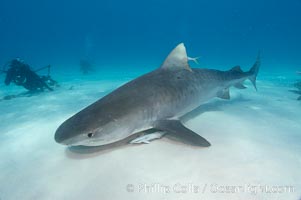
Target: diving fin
{"x": 176, "y": 128}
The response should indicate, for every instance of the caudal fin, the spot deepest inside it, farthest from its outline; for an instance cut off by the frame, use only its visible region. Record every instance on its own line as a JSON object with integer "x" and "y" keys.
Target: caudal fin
{"x": 254, "y": 71}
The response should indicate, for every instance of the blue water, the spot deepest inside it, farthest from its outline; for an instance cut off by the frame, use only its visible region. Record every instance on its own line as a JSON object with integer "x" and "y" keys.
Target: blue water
{"x": 140, "y": 33}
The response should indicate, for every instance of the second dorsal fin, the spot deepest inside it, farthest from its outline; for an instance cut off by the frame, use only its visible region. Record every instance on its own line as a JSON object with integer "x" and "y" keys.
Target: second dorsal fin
{"x": 236, "y": 69}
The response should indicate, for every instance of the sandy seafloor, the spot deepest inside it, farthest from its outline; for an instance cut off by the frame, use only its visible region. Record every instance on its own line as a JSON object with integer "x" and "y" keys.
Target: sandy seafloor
{"x": 255, "y": 137}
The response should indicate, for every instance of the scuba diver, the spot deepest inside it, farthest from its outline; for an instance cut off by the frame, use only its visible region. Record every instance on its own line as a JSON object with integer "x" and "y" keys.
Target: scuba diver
{"x": 21, "y": 74}
{"x": 298, "y": 86}
{"x": 85, "y": 66}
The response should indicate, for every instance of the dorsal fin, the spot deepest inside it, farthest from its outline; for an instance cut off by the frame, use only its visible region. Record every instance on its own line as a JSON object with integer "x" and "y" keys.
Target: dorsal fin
{"x": 177, "y": 59}
{"x": 236, "y": 69}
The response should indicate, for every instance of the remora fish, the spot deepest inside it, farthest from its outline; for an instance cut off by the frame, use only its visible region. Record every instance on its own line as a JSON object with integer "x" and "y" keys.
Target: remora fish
{"x": 155, "y": 100}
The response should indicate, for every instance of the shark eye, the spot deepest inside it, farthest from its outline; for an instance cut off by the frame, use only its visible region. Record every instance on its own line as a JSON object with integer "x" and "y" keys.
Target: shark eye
{"x": 90, "y": 135}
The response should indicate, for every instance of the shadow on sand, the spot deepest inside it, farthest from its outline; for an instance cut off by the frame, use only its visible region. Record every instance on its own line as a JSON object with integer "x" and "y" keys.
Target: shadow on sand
{"x": 215, "y": 105}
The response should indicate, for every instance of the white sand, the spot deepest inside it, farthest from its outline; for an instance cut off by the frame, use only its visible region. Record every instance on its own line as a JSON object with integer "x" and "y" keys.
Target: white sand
{"x": 255, "y": 137}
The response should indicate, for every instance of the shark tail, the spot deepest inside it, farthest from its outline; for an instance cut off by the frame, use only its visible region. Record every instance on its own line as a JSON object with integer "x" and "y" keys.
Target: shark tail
{"x": 254, "y": 71}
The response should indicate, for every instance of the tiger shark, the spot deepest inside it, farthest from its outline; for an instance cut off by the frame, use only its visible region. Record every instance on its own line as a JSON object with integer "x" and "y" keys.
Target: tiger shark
{"x": 156, "y": 100}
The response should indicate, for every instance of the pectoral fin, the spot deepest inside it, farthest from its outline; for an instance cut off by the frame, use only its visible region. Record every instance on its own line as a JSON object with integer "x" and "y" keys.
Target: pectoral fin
{"x": 177, "y": 129}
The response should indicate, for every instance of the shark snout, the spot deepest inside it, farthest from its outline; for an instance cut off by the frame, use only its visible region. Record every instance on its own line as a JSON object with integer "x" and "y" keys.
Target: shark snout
{"x": 67, "y": 136}
{"x": 59, "y": 138}
{"x": 62, "y": 136}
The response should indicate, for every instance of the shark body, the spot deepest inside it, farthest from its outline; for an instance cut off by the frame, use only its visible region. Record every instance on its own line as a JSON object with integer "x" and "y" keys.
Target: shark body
{"x": 156, "y": 100}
